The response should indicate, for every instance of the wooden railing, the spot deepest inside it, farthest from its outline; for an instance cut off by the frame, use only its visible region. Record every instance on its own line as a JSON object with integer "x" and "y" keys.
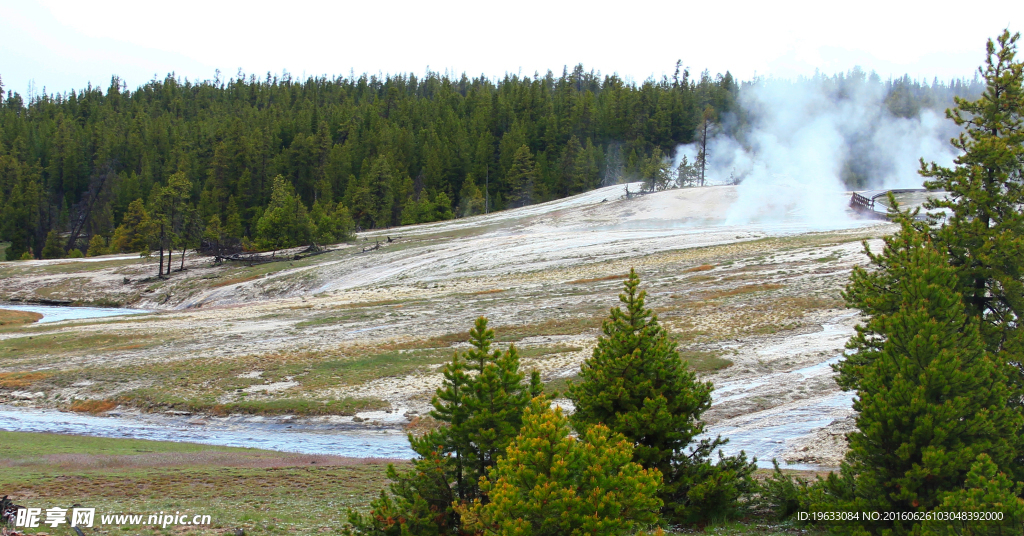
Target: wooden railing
{"x": 865, "y": 204}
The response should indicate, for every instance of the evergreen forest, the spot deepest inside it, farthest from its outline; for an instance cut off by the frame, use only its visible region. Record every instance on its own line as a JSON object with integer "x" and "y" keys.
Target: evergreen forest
{"x": 276, "y": 162}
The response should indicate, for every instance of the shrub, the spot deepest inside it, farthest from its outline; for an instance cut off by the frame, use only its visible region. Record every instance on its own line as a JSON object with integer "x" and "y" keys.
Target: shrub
{"x": 550, "y": 482}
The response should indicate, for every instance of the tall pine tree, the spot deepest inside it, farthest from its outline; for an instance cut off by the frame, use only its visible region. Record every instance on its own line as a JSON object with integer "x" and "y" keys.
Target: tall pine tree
{"x": 522, "y": 178}
{"x": 636, "y": 384}
{"x": 930, "y": 401}
{"x": 984, "y": 233}
{"x": 481, "y": 403}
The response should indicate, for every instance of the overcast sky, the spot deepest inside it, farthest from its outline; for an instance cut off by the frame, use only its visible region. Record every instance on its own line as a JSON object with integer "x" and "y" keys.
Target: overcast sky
{"x": 61, "y": 45}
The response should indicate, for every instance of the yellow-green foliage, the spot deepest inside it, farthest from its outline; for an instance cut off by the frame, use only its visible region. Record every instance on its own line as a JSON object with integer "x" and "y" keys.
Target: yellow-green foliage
{"x": 985, "y": 492}
{"x": 550, "y": 482}
{"x": 97, "y": 246}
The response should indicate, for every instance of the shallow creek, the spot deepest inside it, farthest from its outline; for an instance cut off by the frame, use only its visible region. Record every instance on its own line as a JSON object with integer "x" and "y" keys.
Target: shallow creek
{"x": 56, "y": 313}
{"x": 229, "y": 431}
{"x": 762, "y": 434}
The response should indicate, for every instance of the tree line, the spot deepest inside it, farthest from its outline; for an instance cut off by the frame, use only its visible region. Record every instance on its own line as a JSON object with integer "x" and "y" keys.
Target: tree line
{"x": 393, "y": 150}
{"x": 189, "y": 162}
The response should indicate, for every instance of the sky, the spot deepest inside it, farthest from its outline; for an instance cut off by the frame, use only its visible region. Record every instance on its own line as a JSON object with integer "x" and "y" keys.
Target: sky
{"x": 62, "y": 45}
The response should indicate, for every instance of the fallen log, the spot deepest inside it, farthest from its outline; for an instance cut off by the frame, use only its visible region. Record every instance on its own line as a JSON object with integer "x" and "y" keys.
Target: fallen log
{"x": 251, "y": 258}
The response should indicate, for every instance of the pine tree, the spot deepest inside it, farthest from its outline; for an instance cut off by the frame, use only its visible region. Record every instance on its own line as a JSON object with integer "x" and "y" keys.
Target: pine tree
{"x": 471, "y": 199}
{"x": 285, "y": 223}
{"x": 521, "y": 178}
{"x": 929, "y": 402}
{"x": 97, "y": 246}
{"x": 322, "y": 221}
{"x": 232, "y": 231}
{"x": 343, "y": 225}
{"x": 655, "y": 171}
{"x": 571, "y": 173}
{"x": 984, "y": 233}
{"x": 876, "y": 292}
{"x": 19, "y": 212}
{"x": 687, "y": 174}
{"x": 53, "y": 248}
{"x": 442, "y": 207}
{"x": 213, "y": 233}
{"x": 135, "y": 233}
{"x": 481, "y": 403}
{"x": 381, "y": 185}
{"x": 550, "y": 482}
{"x": 636, "y": 384}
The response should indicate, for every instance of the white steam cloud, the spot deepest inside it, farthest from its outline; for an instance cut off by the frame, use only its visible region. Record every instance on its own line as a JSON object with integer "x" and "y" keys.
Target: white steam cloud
{"x": 802, "y": 138}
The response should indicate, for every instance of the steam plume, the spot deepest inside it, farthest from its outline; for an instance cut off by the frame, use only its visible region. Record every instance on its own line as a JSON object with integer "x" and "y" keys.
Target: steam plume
{"x": 797, "y": 146}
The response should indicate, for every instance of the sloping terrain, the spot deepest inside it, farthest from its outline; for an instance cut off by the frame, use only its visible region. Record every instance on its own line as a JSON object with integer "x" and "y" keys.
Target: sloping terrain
{"x": 358, "y": 335}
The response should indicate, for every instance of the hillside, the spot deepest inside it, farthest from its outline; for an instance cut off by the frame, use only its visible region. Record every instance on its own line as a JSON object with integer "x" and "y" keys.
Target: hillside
{"x": 358, "y": 335}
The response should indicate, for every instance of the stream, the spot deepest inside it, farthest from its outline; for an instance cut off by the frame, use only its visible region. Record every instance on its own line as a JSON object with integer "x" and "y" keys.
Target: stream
{"x": 228, "y": 432}
{"x": 56, "y": 313}
{"x": 762, "y": 434}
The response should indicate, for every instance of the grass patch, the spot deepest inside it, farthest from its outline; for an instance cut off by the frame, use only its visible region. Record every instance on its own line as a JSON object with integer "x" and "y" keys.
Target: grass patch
{"x": 101, "y": 302}
{"x": 373, "y": 305}
{"x": 16, "y": 318}
{"x": 92, "y": 406}
{"x": 159, "y": 400}
{"x": 621, "y": 277}
{"x": 261, "y": 492}
{"x": 199, "y": 385}
{"x": 356, "y": 370}
{"x": 72, "y": 266}
{"x": 377, "y": 303}
{"x": 301, "y": 406}
{"x": 62, "y": 343}
{"x": 556, "y": 326}
{"x": 21, "y": 445}
{"x": 317, "y": 321}
{"x": 559, "y": 387}
{"x": 286, "y": 494}
{"x": 701, "y": 268}
{"x": 699, "y": 361}
{"x": 541, "y": 351}
{"x": 745, "y": 289}
{"x": 21, "y": 380}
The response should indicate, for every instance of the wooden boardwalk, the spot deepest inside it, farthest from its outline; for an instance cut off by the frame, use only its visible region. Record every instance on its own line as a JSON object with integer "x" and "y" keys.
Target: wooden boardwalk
{"x": 867, "y": 204}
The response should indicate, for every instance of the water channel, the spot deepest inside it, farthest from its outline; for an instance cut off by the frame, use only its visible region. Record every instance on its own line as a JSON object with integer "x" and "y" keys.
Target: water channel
{"x": 762, "y": 434}
{"x": 56, "y": 313}
{"x": 228, "y": 432}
